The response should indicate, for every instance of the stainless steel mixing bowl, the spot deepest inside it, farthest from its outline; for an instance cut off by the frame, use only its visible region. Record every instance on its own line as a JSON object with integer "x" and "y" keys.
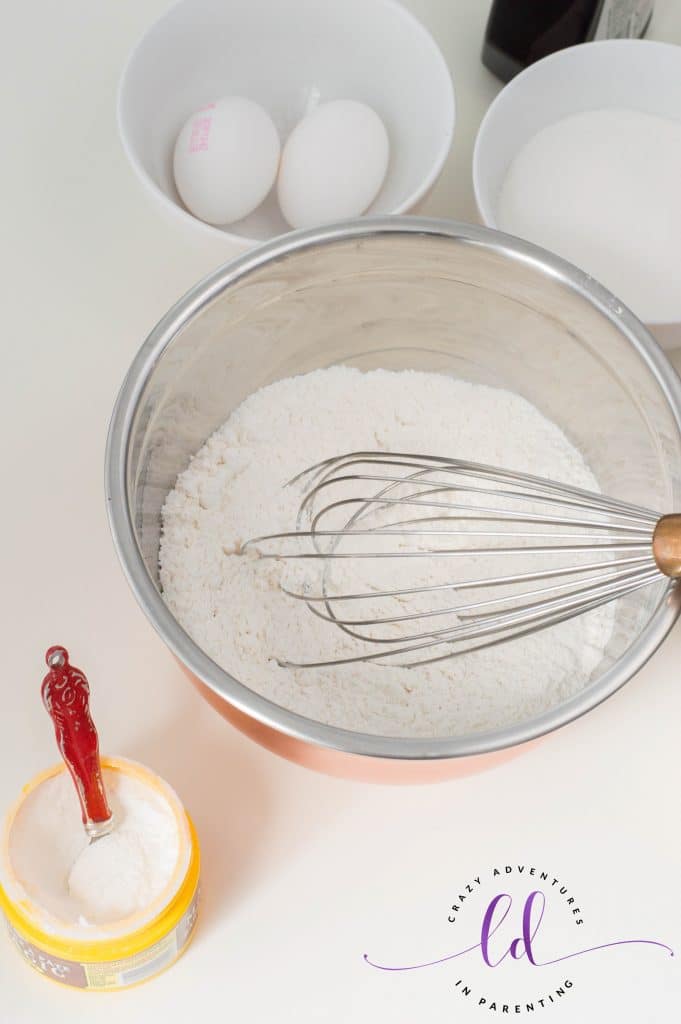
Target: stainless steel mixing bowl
{"x": 397, "y": 293}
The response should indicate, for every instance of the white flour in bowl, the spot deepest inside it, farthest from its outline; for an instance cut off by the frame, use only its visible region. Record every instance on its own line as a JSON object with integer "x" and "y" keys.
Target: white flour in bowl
{"x": 232, "y": 605}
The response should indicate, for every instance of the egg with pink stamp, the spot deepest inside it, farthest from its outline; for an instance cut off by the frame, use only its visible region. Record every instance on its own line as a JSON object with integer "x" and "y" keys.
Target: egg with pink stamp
{"x": 226, "y": 159}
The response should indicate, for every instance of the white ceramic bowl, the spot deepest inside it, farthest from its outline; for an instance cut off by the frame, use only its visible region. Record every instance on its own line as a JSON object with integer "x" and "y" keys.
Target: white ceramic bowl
{"x": 285, "y": 54}
{"x": 636, "y": 74}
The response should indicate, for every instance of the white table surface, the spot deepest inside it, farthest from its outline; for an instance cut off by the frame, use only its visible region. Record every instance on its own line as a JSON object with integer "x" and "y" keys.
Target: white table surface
{"x": 302, "y": 873}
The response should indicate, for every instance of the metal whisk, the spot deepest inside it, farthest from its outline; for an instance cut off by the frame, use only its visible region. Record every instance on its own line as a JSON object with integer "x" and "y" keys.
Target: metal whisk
{"x": 534, "y": 553}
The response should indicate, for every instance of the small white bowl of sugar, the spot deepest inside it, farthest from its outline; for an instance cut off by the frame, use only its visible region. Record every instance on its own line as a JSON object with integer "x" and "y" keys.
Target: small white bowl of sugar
{"x": 581, "y": 154}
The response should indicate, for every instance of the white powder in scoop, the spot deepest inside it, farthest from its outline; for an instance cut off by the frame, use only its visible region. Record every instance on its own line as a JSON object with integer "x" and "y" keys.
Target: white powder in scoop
{"x": 232, "y": 605}
{"x": 97, "y": 884}
{"x": 601, "y": 189}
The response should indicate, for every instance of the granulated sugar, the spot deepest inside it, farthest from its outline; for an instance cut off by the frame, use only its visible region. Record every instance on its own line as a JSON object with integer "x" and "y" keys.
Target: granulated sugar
{"x": 601, "y": 189}
{"x": 232, "y": 605}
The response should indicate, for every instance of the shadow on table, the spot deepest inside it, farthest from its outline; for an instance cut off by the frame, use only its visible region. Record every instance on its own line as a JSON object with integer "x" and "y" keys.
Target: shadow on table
{"x": 219, "y": 777}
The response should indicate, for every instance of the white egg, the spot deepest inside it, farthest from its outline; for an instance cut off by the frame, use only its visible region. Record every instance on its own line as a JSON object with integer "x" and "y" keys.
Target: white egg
{"x": 333, "y": 164}
{"x": 226, "y": 159}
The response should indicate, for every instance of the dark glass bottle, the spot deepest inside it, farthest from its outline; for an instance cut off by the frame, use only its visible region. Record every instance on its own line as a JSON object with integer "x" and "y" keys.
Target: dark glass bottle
{"x": 520, "y": 32}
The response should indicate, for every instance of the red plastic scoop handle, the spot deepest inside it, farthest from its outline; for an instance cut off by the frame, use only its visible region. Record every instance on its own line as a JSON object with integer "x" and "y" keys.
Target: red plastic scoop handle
{"x": 66, "y": 693}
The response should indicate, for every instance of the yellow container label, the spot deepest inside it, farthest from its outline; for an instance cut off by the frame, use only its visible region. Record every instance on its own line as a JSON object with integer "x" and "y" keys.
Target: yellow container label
{"x": 112, "y": 974}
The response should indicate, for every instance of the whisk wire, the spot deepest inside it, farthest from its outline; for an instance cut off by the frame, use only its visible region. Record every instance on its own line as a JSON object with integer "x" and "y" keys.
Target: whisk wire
{"x": 602, "y": 548}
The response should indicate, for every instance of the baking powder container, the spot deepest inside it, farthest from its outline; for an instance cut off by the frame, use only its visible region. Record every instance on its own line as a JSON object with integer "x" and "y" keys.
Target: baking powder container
{"x": 125, "y": 952}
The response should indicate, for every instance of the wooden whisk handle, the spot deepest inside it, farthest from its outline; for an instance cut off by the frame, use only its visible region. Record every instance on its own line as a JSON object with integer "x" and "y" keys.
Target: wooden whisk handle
{"x": 667, "y": 545}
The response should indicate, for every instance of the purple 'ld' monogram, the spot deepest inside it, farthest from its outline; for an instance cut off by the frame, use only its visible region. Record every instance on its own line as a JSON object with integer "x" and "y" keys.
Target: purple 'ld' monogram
{"x": 523, "y": 945}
